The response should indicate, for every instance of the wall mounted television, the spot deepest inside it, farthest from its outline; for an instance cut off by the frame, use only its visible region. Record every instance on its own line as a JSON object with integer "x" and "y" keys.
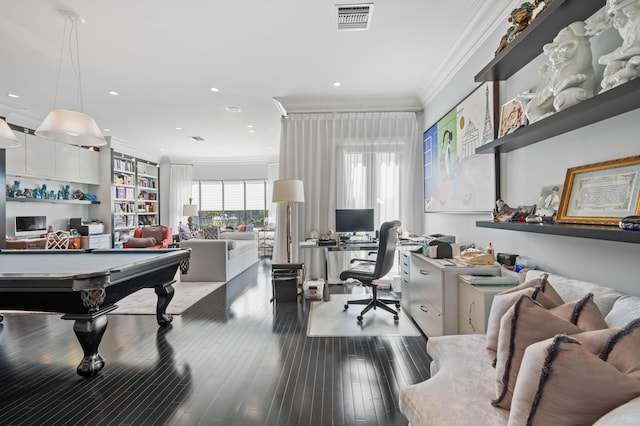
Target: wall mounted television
{"x": 30, "y": 226}
{"x": 354, "y": 220}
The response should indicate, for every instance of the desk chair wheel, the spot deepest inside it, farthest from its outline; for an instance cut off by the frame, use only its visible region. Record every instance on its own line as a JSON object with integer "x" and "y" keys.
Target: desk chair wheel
{"x": 346, "y": 306}
{"x": 359, "y": 318}
{"x": 396, "y": 318}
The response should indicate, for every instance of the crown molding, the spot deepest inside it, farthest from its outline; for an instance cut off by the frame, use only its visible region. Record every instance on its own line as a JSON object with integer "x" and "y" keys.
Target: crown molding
{"x": 309, "y": 104}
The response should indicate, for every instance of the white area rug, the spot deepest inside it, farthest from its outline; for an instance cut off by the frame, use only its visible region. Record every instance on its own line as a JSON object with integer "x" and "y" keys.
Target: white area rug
{"x": 143, "y": 302}
{"x": 330, "y": 319}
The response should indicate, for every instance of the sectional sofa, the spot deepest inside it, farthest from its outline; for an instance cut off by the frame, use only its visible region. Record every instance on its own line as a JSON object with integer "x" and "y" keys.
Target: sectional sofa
{"x": 221, "y": 259}
{"x": 464, "y": 383}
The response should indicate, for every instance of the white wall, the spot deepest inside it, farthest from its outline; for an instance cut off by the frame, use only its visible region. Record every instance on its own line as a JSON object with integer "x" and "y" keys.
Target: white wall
{"x": 524, "y": 172}
{"x": 230, "y": 171}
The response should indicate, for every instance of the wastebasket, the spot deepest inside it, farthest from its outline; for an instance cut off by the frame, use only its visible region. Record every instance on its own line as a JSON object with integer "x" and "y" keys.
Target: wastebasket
{"x": 285, "y": 281}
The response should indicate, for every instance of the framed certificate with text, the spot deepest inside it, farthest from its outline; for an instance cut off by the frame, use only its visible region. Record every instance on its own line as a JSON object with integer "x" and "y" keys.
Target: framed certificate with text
{"x": 601, "y": 193}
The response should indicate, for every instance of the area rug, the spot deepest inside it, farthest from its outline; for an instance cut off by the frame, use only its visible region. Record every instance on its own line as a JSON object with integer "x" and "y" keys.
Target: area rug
{"x": 330, "y": 319}
{"x": 143, "y": 302}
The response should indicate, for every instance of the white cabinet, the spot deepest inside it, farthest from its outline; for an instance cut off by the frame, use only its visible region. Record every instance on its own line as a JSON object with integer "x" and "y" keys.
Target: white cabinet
{"x": 16, "y": 158}
{"x": 40, "y": 157}
{"x": 67, "y": 162}
{"x": 96, "y": 241}
{"x": 89, "y": 170}
{"x": 474, "y": 305}
{"x": 405, "y": 277}
{"x": 47, "y": 159}
{"x": 433, "y": 292}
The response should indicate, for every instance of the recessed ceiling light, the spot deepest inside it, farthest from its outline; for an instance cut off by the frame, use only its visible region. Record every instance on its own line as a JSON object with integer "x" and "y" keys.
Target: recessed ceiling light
{"x": 106, "y": 130}
{"x": 252, "y": 131}
{"x": 12, "y": 95}
{"x": 178, "y": 128}
{"x": 234, "y": 109}
{"x": 250, "y": 126}
{"x": 337, "y": 84}
{"x": 214, "y": 89}
{"x": 113, "y": 92}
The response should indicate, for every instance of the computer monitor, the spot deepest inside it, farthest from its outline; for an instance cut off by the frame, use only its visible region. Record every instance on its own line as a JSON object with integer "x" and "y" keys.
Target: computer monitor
{"x": 30, "y": 226}
{"x": 354, "y": 220}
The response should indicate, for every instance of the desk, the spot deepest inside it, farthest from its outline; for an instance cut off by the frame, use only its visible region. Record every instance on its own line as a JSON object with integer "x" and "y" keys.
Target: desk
{"x": 84, "y": 285}
{"x": 335, "y": 258}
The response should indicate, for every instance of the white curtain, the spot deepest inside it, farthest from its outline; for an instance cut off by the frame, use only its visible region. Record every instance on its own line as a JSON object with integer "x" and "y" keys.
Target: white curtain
{"x": 181, "y": 181}
{"x": 347, "y": 160}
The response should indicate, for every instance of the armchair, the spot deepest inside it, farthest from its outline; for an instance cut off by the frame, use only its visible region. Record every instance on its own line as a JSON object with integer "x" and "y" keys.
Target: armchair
{"x": 366, "y": 271}
{"x": 150, "y": 237}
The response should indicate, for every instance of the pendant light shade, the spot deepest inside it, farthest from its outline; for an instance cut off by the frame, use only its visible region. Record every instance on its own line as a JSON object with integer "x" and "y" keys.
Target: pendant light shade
{"x": 61, "y": 125}
{"x": 8, "y": 139}
{"x": 71, "y": 127}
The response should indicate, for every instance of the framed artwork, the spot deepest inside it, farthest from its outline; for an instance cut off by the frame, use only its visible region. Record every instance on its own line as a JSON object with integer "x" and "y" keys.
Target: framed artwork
{"x": 601, "y": 193}
{"x": 511, "y": 117}
{"x": 456, "y": 179}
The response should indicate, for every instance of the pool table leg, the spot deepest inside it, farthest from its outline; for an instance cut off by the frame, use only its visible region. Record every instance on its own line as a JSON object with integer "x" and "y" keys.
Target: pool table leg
{"x": 89, "y": 333}
{"x": 165, "y": 294}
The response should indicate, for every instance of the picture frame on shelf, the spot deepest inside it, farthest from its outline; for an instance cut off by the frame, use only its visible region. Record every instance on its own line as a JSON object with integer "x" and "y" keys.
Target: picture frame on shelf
{"x": 601, "y": 193}
{"x": 511, "y": 117}
{"x": 549, "y": 200}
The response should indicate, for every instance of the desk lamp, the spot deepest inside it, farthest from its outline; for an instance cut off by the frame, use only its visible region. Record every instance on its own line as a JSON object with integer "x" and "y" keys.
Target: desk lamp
{"x": 288, "y": 191}
{"x": 190, "y": 210}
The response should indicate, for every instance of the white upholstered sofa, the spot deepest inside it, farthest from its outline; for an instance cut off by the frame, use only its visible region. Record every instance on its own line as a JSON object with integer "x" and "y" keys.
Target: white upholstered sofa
{"x": 463, "y": 380}
{"x": 221, "y": 259}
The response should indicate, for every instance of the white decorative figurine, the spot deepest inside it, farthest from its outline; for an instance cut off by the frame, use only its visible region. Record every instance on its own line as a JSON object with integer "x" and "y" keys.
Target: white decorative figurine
{"x": 571, "y": 75}
{"x": 622, "y": 64}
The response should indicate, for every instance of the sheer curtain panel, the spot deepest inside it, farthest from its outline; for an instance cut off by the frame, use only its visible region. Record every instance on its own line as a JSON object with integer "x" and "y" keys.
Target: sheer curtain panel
{"x": 348, "y": 160}
{"x": 181, "y": 181}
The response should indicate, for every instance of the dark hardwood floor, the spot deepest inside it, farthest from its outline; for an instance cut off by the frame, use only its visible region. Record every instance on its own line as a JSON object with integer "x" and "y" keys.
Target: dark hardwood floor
{"x": 234, "y": 358}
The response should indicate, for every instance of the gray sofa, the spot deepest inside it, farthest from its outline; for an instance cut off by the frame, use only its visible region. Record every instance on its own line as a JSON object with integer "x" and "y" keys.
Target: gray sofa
{"x": 221, "y": 259}
{"x": 463, "y": 381}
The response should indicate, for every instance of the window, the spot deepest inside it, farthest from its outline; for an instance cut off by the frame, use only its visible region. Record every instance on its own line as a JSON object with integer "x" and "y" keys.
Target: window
{"x": 231, "y": 203}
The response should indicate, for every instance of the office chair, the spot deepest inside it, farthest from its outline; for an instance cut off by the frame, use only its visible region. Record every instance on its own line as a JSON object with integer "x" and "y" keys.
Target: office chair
{"x": 377, "y": 269}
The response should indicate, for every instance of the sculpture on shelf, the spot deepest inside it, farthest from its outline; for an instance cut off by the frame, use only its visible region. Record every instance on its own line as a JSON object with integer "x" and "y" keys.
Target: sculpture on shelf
{"x": 15, "y": 188}
{"x": 67, "y": 193}
{"x": 623, "y": 63}
{"x": 571, "y": 76}
{"x": 520, "y": 17}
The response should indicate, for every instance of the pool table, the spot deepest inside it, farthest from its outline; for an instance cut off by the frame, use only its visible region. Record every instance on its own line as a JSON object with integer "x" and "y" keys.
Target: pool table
{"x": 84, "y": 285}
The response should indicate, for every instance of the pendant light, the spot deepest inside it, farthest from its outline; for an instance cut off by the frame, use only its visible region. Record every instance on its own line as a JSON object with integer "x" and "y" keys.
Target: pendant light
{"x": 8, "y": 139}
{"x": 62, "y": 125}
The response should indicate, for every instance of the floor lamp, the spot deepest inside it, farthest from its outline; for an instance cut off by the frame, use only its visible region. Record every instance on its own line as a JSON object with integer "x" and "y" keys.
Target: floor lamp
{"x": 288, "y": 191}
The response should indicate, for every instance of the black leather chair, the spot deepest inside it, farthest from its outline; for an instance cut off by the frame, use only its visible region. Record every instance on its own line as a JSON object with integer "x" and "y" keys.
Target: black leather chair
{"x": 368, "y": 270}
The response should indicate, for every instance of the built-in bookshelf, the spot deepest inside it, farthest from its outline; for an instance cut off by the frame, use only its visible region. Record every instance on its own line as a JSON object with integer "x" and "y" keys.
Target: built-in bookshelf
{"x": 135, "y": 195}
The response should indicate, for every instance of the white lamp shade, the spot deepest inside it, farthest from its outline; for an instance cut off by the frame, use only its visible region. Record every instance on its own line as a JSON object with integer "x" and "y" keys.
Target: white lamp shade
{"x": 190, "y": 210}
{"x": 288, "y": 191}
{"x": 71, "y": 127}
{"x": 8, "y": 139}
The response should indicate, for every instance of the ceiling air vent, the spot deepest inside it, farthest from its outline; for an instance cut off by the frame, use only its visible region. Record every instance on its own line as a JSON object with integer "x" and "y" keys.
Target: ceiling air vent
{"x": 196, "y": 138}
{"x": 354, "y": 16}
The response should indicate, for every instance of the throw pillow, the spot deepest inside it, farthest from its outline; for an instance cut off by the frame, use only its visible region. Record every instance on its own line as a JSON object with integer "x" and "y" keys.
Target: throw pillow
{"x": 211, "y": 232}
{"x": 152, "y": 232}
{"x": 562, "y": 377}
{"x": 538, "y": 289}
{"x": 528, "y": 322}
{"x": 141, "y": 242}
{"x": 184, "y": 233}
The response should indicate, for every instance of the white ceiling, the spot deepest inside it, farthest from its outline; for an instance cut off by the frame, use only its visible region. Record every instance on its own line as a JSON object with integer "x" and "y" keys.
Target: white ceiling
{"x": 163, "y": 56}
